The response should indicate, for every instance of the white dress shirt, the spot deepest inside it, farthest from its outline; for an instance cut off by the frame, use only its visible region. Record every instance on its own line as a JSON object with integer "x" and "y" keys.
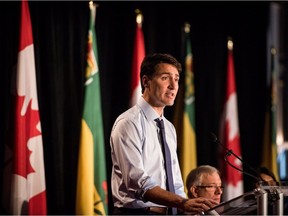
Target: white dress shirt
{"x": 137, "y": 158}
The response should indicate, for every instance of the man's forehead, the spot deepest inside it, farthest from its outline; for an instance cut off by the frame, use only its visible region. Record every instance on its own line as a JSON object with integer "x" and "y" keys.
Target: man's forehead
{"x": 263, "y": 175}
{"x": 163, "y": 65}
{"x": 206, "y": 176}
{"x": 166, "y": 70}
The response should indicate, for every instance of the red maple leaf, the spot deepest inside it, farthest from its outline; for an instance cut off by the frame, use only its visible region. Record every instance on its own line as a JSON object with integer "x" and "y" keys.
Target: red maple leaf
{"x": 231, "y": 175}
{"x": 234, "y": 176}
{"x": 25, "y": 128}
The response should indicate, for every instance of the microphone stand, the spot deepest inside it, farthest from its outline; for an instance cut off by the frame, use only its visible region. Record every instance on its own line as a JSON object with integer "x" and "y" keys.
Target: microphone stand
{"x": 273, "y": 194}
{"x": 229, "y": 152}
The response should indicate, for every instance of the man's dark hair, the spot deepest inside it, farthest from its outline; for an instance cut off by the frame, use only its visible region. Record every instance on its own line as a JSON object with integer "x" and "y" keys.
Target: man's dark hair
{"x": 265, "y": 170}
{"x": 148, "y": 66}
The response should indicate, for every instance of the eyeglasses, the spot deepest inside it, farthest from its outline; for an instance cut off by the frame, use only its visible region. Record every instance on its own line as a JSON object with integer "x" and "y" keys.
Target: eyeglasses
{"x": 212, "y": 187}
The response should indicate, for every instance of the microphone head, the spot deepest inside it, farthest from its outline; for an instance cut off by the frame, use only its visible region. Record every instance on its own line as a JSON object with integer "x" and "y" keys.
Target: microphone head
{"x": 212, "y": 137}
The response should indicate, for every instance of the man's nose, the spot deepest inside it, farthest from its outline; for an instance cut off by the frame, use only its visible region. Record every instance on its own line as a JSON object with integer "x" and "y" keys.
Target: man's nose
{"x": 218, "y": 190}
{"x": 173, "y": 84}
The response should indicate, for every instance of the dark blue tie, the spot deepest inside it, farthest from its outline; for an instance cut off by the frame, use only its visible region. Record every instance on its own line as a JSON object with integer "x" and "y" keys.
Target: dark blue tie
{"x": 167, "y": 160}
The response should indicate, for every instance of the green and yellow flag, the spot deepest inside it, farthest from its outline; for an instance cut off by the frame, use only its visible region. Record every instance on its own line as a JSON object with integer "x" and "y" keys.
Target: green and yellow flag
{"x": 91, "y": 197}
{"x": 186, "y": 131}
{"x": 269, "y": 154}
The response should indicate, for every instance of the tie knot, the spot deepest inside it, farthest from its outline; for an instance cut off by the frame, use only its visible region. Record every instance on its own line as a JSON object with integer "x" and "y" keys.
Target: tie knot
{"x": 160, "y": 123}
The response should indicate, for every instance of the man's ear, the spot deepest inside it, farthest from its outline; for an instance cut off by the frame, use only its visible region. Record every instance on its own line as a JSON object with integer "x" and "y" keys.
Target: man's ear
{"x": 194, "y": 191}
{"x": 145, "y": 81}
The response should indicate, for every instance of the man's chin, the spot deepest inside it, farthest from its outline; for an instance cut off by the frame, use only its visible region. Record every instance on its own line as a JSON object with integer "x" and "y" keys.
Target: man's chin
{"x": 170, "y": 103}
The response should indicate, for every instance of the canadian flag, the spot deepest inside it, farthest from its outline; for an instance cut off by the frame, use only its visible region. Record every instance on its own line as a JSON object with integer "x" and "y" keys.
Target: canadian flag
{"x": 138, "y": 56}
{"x": 28, "y": 190}
{"x": 229, "y": 134}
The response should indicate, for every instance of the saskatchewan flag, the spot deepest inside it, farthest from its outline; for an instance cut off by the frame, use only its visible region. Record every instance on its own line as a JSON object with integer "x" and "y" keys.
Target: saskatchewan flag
{"x": 186, "y": 105}
{"x": 91, "y": 197}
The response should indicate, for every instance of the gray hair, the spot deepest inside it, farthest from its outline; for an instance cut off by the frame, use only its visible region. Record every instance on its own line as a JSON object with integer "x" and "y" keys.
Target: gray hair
{"x": 194, "y": 178}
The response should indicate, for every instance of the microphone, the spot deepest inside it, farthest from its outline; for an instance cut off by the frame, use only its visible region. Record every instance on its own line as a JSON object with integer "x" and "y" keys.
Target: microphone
{"x": 273, "y": 194}
{"x": 229, "y": 152}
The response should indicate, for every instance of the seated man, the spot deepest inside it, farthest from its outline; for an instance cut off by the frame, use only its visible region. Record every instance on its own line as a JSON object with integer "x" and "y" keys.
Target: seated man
{"x": 204, "y": 181}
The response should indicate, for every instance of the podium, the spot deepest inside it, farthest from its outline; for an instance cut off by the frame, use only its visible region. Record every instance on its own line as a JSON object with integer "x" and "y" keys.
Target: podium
{"x": 265, "y": 200}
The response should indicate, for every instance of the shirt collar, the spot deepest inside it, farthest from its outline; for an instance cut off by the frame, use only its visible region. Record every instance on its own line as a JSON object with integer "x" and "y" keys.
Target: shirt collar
{"x": 148, "y": 111}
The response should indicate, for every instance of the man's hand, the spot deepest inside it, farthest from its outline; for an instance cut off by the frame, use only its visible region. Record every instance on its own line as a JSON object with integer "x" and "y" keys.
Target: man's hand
{"x": 196, "y": 205}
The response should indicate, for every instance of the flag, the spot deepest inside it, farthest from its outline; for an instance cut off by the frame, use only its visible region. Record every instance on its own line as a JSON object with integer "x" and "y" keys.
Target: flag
{"x": 28, "y": 187}
{"x": 274, "y": 152}
{"x": 138, "y": 56}
{"x": 91, "y": 197}
{"x": 269, "y": 151}
{"x": 186, "y": 106}
{"x": 230, "y": 135}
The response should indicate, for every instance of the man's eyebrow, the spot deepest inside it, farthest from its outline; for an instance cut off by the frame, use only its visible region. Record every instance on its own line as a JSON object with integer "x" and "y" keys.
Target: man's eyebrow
{"x": 167, "y": 72}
